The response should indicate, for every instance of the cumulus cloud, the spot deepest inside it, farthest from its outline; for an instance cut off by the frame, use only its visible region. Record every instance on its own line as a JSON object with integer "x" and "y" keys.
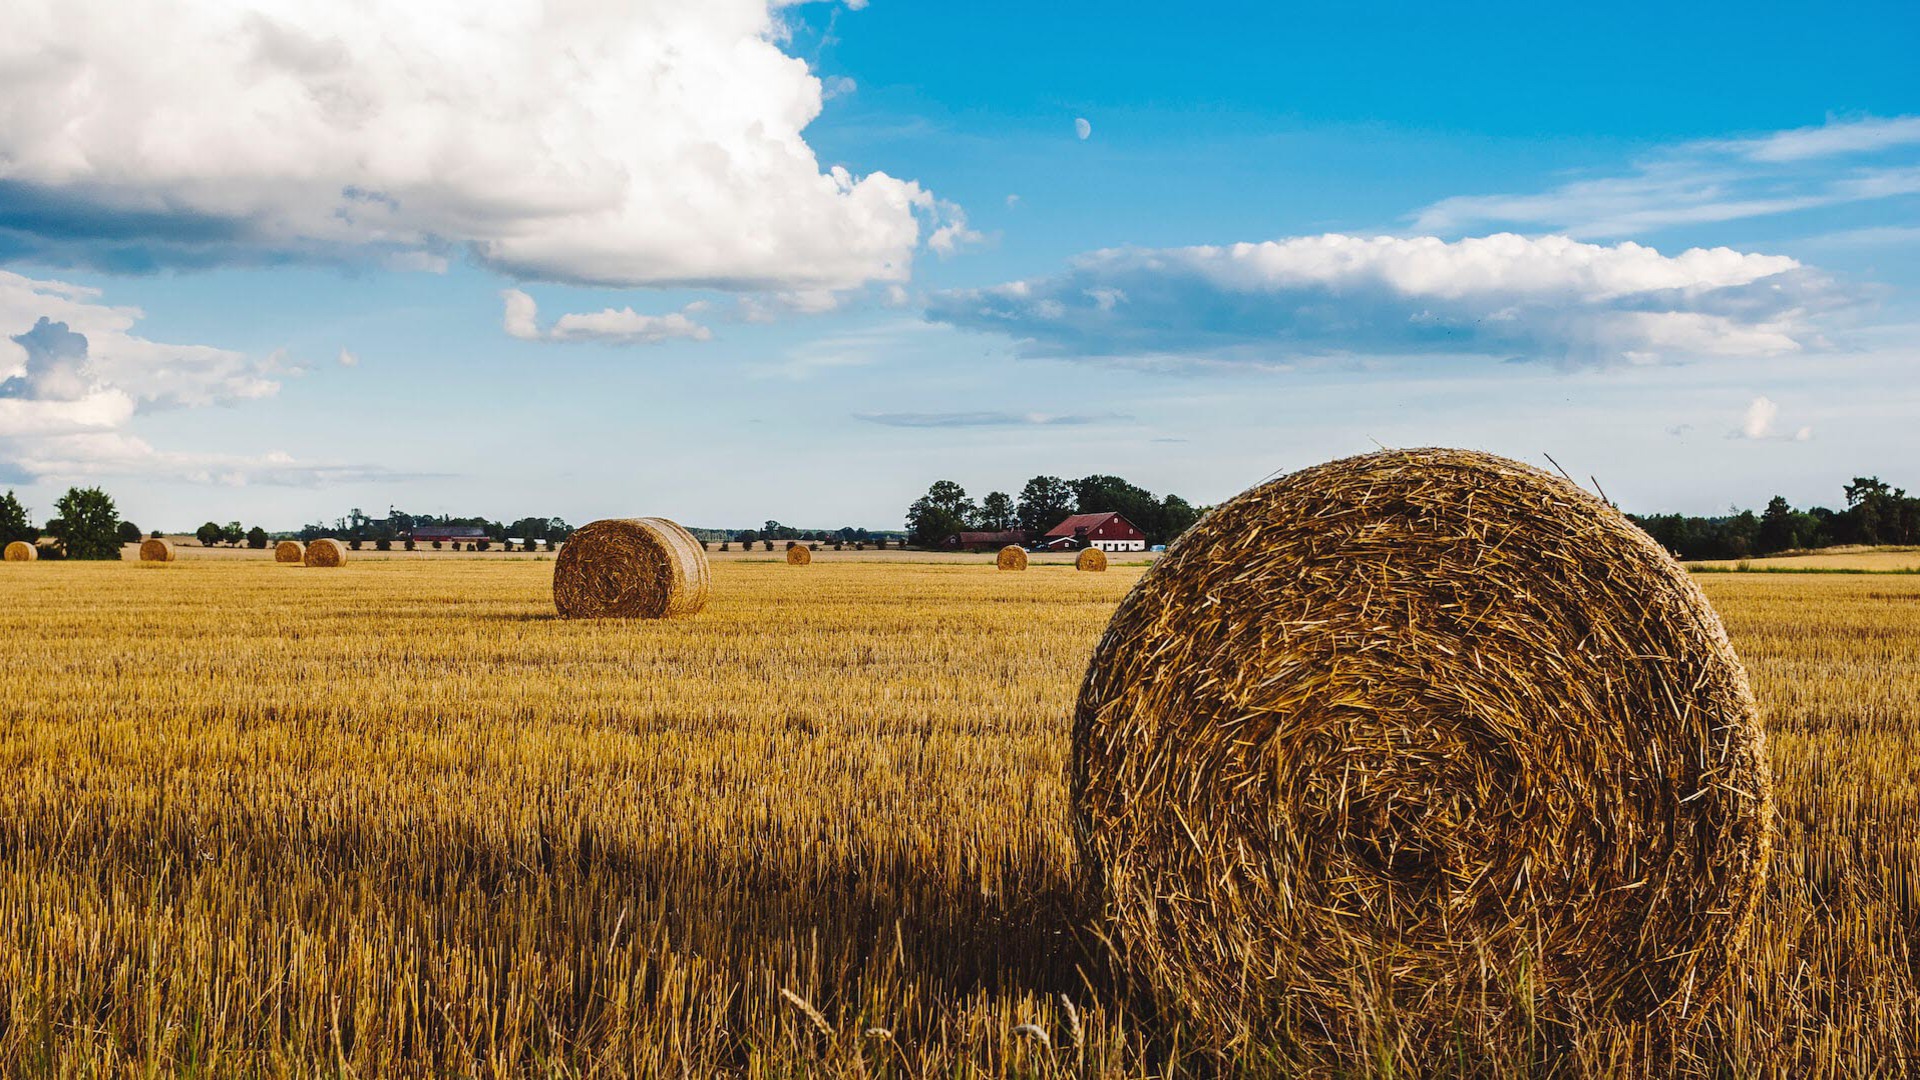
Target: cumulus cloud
{"x": 1842, "y": 161}
{"x": 1759, "y": 421}
{"x": 1550, "y": 299}
{"x": 986, "y": 419}
{"x": 623, "y": 326}
{"x": 74, "y": 376}
{"x": 653, "y": 143}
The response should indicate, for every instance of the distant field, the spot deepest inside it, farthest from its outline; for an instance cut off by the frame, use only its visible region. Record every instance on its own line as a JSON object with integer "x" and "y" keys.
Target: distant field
{"x": 1871, "y": 559}
{"x": 186, "y": 547}
{"x": 398, "y": 819}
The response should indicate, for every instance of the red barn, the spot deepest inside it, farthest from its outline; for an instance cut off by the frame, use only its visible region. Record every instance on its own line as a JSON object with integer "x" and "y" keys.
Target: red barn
{"x": 1108, "y": 532}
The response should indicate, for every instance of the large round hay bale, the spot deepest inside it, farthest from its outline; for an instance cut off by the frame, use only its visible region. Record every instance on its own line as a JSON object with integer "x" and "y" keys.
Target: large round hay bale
{"x": 289, "y": 551}
{"x": 154, "y": 549}
{"x": 21, "y": 551}
{"x": 637, "y": 568}
{"x": 1414, "y": 735}
{"x": 1011, "y": 557}
{"x": 325, "y": 551}
{"x": 799, "y": 555}
{"x": 1090, "y": 559}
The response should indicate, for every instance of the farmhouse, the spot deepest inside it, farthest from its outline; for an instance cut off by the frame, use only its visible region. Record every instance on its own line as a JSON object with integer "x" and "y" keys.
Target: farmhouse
{"x": 456, "y": 534}
{"x": 987, "y": 541}
{"x": 1108, "y": 532}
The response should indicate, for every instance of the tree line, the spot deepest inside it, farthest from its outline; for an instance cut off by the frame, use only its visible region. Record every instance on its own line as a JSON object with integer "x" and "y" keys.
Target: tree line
{"x": 1045, "y": 501}
{"x": 1876, "y": 513}
{"x": 357, "y": 528}
{"x": 86, "y": 525}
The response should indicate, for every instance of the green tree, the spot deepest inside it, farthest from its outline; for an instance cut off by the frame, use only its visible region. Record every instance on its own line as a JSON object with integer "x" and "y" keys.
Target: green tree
{"x": 1777, "y": 527}
{"x": 209, "y": 534}
{"x": 996, "y": 512}
{"x": 129, "y": 533}
{"x": 233, "y": 533}
{"x": 943, "y": 511}
{"x": 89, "y": 524}
{"x": 256, "y": 537}
{"x": 14, "y": 522}
{"x": 1045, "y": 501}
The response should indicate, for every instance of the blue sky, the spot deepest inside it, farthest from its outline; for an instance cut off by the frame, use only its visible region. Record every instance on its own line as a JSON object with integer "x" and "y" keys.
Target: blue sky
{"x": 726, "y": 262}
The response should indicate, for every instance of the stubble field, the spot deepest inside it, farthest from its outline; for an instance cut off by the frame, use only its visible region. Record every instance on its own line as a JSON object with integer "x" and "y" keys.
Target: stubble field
{"x": 399, "y": 819}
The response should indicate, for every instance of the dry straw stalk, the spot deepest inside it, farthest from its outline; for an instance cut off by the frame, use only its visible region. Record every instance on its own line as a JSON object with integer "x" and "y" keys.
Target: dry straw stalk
{"x": 799, "y": 555}
{"x": 156, "y": 550}
{"x": 326, "y": 552}
{"x": 289, "y": 551}
{"x": 21, "y": 551}
{"x": 1092, "y": 559}
{"x": 638, "y": 568}
{"x": 1419, "y": 734}
{"x": 1011, "y": 557}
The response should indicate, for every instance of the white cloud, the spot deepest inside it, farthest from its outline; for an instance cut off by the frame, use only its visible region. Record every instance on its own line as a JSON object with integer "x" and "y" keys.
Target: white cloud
{"x": 74, "y": 377}
{"x": 1758, "y": 423}
{"x": 348, "y": 359}
{"x": 1840, "y": 162}
{"x": 952, "y": 233}
{"x": 1082, "y": 128}
{"x": 652, "y": 143}
{"x": 623, "y": 326}
{"x": 1505, "y": 296}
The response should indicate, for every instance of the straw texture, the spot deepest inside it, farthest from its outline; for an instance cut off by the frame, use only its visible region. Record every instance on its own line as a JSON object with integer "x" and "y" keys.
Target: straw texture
{"x": 799, "y": 555}
{"x": 21, "y": 551}
{"x": 1090, "y": 559}
{"x": 289, "y": 551}
{"x": 155, "y": 550}
{"x": 635, "y": 568}
{"x": 1417, "y": 734}
{"x": 326, "y": 552}
{"x": 1011, "y": 557}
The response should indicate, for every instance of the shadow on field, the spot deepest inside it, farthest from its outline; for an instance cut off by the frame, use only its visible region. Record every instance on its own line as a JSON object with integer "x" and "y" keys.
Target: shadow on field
{"x": 813, "y": 910}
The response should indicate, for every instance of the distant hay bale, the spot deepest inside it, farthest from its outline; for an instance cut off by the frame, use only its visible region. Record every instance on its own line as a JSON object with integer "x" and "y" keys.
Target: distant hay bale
{"x": 799, "y": 555}
{"x": 634, "y": 568}
{"x": 289, "y": 551}
{"x": 1011, "y": 557}
{"x": 1412, "y": 735}
{"x": 21, "y": 551}
{"x": 1090, "y": 559}
{"x": 326, "y": 552}
{"x": 155, "y": 549}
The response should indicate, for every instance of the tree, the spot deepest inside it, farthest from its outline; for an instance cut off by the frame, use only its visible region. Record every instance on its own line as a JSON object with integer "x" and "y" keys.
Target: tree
{"x": 209, "y": 534}
{"x": 1777, "y": 527}
{"x": 89, "y": 525}
{"x": 996, "y": 512}
{"x": 943, "y": 511}
{"x": 1045, "y": 501}
{"x": 233, "y": 534}
{"x": 129, "y": 533}
{"x": 383, "y": 544}
{"x": 256, "y": 538}
{"x": 14, "y": 522}
{"x": 409, "y": 543}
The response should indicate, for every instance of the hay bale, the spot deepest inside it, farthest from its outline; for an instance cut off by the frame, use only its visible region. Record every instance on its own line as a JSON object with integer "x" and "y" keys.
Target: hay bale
{"x": 325, "y": 551}
{"x": 21, "y": 551}
{"x": 1413, "y": 735}
{"x": 1090, "y": 559}
{"x": 637, "y": 568}
{"x": 290, "y": 551}
{"x": 1011, "y": 557}
{"x": 799, "y": 555}
{"x": 154, "y": 549}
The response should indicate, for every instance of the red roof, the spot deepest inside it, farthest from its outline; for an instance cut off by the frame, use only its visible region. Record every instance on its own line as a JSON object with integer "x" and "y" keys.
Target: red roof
{"x": 1090, "y": 522}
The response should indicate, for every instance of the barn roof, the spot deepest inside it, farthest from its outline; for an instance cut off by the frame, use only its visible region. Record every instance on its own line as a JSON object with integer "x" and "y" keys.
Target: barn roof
{"x": 1088, "y": 522}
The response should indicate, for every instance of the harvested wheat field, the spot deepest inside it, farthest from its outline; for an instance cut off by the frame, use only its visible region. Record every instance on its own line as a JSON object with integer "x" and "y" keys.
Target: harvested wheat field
{"x": 428, "y": 827}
